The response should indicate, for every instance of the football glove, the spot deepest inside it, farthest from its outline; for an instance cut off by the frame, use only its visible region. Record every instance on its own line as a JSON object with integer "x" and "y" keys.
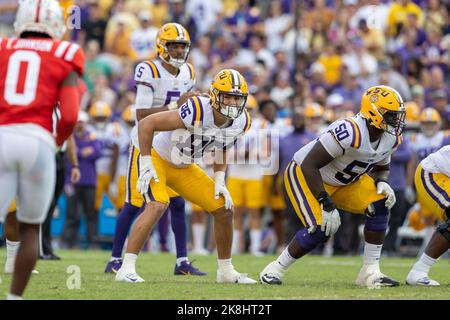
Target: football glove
{"x": 221, "y": 189}
{"x": 331, "y": 219}
{"x": 384, "y": 188}
{"x": 147, "y": 173}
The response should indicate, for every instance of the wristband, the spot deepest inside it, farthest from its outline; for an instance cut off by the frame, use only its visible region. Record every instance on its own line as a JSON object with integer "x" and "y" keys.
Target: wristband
{"x": 326, "y": 202}
{"x": 380, "y": 180}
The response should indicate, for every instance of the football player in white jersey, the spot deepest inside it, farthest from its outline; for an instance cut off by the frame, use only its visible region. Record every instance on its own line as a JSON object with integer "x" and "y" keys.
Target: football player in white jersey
{"x": 121, "y": 131}
{"x": 200, "y": 126}
{"x": 162, "y": 84}
{"x": 432, "y": 181}
{"x": 333, "y": 172}
{"x": 427, "y": 141}
{"x": 100, "y": 113}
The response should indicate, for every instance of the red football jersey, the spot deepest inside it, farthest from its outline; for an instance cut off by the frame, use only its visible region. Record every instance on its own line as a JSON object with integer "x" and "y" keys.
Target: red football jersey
{"x": 31, "y": 73}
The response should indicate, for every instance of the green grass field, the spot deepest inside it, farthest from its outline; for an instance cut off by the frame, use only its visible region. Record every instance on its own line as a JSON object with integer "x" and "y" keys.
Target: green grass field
{"x": 311, "y": 278}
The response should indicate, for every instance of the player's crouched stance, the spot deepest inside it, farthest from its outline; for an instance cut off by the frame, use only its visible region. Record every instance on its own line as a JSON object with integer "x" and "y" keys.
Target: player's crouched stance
{"x": 205, "y": 124}
{"x": 345, "y": 168}
{"x": 432, "y": 182}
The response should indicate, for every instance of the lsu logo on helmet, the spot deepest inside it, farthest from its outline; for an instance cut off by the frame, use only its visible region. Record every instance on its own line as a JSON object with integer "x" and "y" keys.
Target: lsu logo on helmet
{"x": 229, "y": 83}
{"x": 172, "y": 33}
{"x": 384, "y": 108}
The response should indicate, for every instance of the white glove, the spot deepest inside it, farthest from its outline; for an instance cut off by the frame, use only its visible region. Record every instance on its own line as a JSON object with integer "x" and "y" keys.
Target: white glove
{"x": 410, "y": 194}
{"x": 384, "y": 188}
{"x": 330, "y": 221}
{"x": 221, "y": 189}
{"x": 147, "y": 173}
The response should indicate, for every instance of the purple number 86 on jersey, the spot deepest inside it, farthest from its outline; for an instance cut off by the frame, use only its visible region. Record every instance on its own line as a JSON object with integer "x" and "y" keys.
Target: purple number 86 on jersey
{"x": 341, "y": 132}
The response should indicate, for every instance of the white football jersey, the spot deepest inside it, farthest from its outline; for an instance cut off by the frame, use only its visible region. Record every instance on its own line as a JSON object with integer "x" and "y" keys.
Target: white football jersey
{"x": 165, "y": 87}
{"x": 347, "y": 140}
{"x": 423, "y": 146}
{"x": 438, "y": 162}
{"x": 123, "y": 143}
{"x": 185, "y": 146}
{"x": 251, "y": 143}
{"x": 108, "y": 136}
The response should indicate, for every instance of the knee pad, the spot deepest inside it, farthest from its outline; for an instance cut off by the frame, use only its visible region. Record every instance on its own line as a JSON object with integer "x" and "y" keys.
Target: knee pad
{"x": 377, "y": 216}
{"x": 309, "y": 241}
{"x": 443, "y": 229}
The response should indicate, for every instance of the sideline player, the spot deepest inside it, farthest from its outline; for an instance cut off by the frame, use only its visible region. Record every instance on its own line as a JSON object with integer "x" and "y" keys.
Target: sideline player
{"x": 204, "y": 125}
{"x": 162, "y": 84}
{"x": 333, "y": 172}
{"x": 432, "y": 183}
{"x": 37, "y": 71}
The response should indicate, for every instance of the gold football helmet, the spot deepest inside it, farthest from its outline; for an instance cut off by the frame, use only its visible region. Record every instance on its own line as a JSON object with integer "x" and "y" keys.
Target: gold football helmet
{"x": 100, "y": 109}
{"x": 229, "y": 84}
{"x": 384, "y": 108}
{"x": 430, "y": 121}
{"x": 172, "y": 33}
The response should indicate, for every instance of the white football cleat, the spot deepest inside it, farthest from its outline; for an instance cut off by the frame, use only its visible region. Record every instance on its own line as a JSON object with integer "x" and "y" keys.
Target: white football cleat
{"x": 272, "y": 273}
{"x": 371, "y": 277}
{"x": 415, "y": 278}
{"x": 9, "y": 267}
{"x": 233, "y": 276}
{"x": 128, "y": 276}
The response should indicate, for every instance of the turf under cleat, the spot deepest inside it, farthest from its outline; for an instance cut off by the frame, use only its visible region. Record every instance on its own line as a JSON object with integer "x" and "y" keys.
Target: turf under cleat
{"x": 372, "y": 278}
{"x": 186, "y": 268}
{"x": 113, "y": 266}
{"x": 233, "y": 277}
{"x": 128, "y": 276}
{"x": 420, "y": 279}
{"x": 272, "y": 274}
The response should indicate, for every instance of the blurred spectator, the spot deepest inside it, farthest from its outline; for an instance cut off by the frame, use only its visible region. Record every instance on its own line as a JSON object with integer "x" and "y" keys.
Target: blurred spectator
{"x": 178, "y": 14}
{"x": 103, "y": 92}
{"x": 373, "y": 39}
{"x": 436, "y": 16}
{"x": 360, "y": 63}
{"x": 119, "y": 44}
{"x": 94, "y": 28}
{"x": 351, "y": 91}
{"x": 390, "y": 77}
{"x": 7, "y": 16}
{"x": 260, "y": 51}
{"x": 143, "y": 39}
{"x": 276, "y": 26}
{"x": 82, "y": 193}
{"x": 434, "y": 53}
{"x": 94, "y": 67}
{"x": 282, "y": 90}
{"x": 332, "y": 64}
{"x": 398, "y": 15}
{"x": 204, "y": 13}
{"x": 409, "y": 51}
{"x": 243, "y": 23}
{"x": 417, "y": 95}
{"x": 200, "y": 56}
{"x": 438, "y": 82}
{"x": 320, "y": 14}
{"x": 440, "y": 103}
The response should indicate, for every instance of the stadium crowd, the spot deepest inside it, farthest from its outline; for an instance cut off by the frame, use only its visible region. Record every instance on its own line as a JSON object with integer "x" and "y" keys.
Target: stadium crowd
{"x": 303, "y": 72}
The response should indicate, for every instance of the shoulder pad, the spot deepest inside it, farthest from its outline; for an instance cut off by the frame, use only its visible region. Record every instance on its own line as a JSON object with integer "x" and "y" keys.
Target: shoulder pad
{"x": 145, "y": 72}
{"x": 72, "y": 54}
{"x": 191, "y": 71}
{"x": 347, "y": 133}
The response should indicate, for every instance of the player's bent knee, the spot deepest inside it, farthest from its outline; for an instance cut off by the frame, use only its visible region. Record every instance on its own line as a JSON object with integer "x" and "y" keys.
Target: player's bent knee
{"x": 308, "y": 241}
{"x": 158, "y": 207}
{"x": 377, "y": 216}
{"x": 444, "y": 229}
